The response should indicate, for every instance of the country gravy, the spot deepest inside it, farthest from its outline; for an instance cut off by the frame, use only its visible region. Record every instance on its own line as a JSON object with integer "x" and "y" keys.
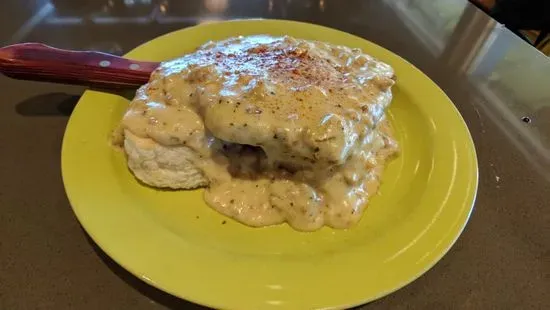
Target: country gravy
{"x": 285, "y": 130}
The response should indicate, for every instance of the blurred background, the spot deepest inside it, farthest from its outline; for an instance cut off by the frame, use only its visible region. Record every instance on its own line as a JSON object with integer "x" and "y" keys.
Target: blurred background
{"x": 529, "y": 19}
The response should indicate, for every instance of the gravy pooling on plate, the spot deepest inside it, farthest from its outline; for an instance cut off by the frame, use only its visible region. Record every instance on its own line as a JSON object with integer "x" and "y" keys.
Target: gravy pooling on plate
{"x": 280, "y": 129}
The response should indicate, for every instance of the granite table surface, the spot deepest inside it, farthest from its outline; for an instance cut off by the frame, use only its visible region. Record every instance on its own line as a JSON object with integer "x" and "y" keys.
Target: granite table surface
{"x": 498, "y": 82}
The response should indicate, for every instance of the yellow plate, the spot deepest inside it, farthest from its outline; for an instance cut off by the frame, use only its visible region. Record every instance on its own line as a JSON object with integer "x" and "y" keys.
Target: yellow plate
{"x": 173, "y": 241}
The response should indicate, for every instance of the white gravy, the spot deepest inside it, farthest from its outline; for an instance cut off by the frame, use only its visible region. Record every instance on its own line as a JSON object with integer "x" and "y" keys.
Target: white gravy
{"x": 285, "y": 130}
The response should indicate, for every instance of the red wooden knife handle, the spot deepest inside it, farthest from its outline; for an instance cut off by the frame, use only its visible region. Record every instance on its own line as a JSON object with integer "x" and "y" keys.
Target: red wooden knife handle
{"x": 39, "y": 62}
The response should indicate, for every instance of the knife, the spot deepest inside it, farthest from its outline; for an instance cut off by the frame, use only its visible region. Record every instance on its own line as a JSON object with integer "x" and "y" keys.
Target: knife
{"x": 40, "y": 62}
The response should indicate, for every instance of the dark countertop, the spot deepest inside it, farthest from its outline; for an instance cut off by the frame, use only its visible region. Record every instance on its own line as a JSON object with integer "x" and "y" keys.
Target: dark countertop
{"x": 497, "y": 81}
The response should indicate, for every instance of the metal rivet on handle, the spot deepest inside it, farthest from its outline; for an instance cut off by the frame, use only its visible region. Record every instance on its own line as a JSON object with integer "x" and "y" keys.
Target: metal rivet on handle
{"x": 134, "y": 66}
{"x": 104, "y": 63}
